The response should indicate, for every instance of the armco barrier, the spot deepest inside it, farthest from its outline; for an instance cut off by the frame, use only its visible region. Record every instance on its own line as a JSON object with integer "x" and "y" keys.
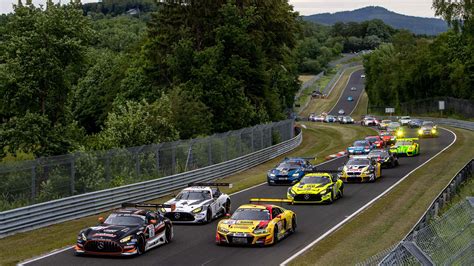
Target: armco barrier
{"x": 52, "y": 212}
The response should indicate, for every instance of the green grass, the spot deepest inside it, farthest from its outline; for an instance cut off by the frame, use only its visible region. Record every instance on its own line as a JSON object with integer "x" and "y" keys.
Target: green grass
{"x": 361, "y": 108}
{"x": 389, "y": 219}
{"x": 318, "y": 140}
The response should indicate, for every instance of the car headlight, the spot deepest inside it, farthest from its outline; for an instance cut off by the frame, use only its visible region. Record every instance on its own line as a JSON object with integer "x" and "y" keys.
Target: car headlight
{"x": 260, "y": 231}
{"x": 125, "y": 239}
{"x": 291, "y": 192}
{"x": 420, "y": 131}
{"x": 296, "y": 175}
{"x": 400, "y": 133}
{"x": 82, "y": 237}
{"x": 271, "y": 175}
{"x": 197, "y": 210}
{"x": 222, "y": 230}
{"x": 433, "y": 131}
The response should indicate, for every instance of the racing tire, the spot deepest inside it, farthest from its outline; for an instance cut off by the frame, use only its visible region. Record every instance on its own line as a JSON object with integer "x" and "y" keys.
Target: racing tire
{"x": 293, "y": 225}
{"x": 372, "y": 178}
{"x": 227, "y": 207}
{"x": 168, "y": 233}
{"x": 208, "y": 216}
{"x": 141, "y": 245}
{"x": 393, "y": 164}
{"x": 341, "y": 192}
{"x": 275, "y": 235}
{"x": 331, "y": 199}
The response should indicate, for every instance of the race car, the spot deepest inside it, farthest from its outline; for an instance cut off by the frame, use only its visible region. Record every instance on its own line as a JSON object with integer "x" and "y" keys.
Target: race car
{"x": 376, "y": 141}
{"x": 131, "y": 230}
{"x": 384, "y": 123}
{"x": 361, "y": 169}
{"x": 289, "y": 171}
{"x": 407, "y": 146}
{"x": 384, "y": 157}
{"x": 199, "y": 203}
{"x": 370, "y": 121}
{"x": 330, "y": 119}
{"x": 388, "y": 137}
{"x": 256, "y": 224}
{"x": 360, "y": 147}
{"x": 350, "y": 98}
{"x": 347, "y": 120}
{"x": 316, "y": 187}
{"x": 415, "y": 123}
{"x": 404, "y": 120}
{"x": 428, "y": 129}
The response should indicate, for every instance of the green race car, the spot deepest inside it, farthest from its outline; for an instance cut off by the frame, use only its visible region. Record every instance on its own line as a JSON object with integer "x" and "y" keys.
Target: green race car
{"x": 316, "y": 188}
{"x": 406, "y": 146}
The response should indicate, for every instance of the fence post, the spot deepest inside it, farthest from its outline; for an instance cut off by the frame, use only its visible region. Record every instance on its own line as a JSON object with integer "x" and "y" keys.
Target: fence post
{"x": 137, "y": 161}
{"x": 190, "y": 154}
{"x": 252, "y": 138}
{"x": 107, "y": 167}
{"x": 209, "y": 151}
{"x": 226, "y": 140}
{"x": 173, "y": 157}
{"x": 73, "y": 174}
{"x": 157, "y": 157}
{"x": 240, "y": 143}
{"x": 33, "y": 183}
{"x": 261, "y": 130}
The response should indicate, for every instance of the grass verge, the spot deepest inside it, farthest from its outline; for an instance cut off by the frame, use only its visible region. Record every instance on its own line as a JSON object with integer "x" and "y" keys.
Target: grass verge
{"x": 318, "y": 139}
{"x": 388, "y": 220}
{"x": 324, "y": 105}
{"x": 361, "y": 108}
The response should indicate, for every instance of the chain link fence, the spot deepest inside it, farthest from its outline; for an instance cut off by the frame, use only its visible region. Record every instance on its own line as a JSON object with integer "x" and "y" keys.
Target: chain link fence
{"x": 445, "y": 240}
{"x": 28, "y": 182}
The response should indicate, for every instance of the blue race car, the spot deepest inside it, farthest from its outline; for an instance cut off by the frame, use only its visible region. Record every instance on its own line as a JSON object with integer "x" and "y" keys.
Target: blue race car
{"x": 360, "y": 147}
{"x": 350, "y": 99}
{"x": 288, "y": 172}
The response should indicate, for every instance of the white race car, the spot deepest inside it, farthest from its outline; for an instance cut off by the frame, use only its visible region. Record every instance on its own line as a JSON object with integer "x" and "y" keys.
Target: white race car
{"x": 199, "y": 203}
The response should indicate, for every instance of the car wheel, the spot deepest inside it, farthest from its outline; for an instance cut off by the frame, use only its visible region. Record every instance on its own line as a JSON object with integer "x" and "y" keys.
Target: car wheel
{"x": 168, "y": 233}
{"x": 331, "y": 199}
{"x": 227, "y": 206}
{"x": 341, "y": 192}
{"x": 208, "y": 215}
{"x": 397, "y": 163}
{"x": 293, "y": 224}
{"x": 393, "y": 164}
{"x": 372, "y": 178}
{"x": 141, "y": 245}
{"x": 275, "y": 235}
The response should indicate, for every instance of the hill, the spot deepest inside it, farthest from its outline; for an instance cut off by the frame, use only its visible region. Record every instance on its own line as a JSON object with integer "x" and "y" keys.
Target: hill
{"x": 418, "y": 25}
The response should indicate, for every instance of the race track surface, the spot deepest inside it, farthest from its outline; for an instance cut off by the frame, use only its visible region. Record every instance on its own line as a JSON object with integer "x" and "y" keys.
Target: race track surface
{"x": 194, "y": 244}
{"x": 348, "y": 106}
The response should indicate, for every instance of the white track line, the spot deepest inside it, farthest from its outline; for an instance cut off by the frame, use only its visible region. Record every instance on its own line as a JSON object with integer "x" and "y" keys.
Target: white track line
{"x": 70, "y": 247}
{"x": 345, "y": 87}
{"x": 366, "y": 205}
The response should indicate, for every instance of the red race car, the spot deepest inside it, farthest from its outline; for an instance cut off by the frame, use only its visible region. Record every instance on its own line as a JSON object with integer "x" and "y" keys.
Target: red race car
{"x": 377, "y": 141}
{"x": 388, "y": 137}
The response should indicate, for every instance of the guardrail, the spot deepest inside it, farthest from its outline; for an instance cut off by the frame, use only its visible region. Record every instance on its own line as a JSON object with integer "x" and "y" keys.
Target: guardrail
{"x": 441, "y": 121}
{"x": 52, "y": 212}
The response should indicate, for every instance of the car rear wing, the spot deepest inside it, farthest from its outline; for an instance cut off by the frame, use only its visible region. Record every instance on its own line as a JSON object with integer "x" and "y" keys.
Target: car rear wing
{"x": 359, "y": 157}
{"x": 408, "y": 139}
{"x": 229, "y": 185}
{"x": 148, "y": 205}
{"x": 270, "y": 200}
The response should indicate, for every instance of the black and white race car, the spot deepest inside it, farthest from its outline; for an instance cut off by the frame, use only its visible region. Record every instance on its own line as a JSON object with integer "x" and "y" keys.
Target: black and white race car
{"x": 199, "y": 203}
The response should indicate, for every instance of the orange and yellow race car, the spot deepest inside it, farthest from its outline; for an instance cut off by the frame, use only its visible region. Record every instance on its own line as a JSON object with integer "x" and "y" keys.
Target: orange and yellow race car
{"x": 256, "y": 224}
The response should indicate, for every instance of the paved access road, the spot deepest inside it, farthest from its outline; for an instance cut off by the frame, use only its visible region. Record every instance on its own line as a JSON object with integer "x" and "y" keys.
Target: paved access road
{"x": 357, "y": 82}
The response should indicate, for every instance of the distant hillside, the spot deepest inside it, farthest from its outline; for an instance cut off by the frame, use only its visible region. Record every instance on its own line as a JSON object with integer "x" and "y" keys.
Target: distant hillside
{"x": 418, "y": 25}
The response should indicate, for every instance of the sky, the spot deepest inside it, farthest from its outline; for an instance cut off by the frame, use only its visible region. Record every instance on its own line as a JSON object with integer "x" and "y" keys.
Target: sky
{"x": 420, "y": 8}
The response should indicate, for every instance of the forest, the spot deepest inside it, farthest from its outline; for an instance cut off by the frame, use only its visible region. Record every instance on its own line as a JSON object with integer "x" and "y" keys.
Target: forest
{"x": 412, "y": 68}
{"x": 92, "y": 77}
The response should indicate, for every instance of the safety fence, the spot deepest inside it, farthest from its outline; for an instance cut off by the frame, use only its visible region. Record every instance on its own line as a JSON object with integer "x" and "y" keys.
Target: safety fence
{"x": 435, "y": 240}
{"x": 29, "y": 182}
{"x": 65, "y": 209}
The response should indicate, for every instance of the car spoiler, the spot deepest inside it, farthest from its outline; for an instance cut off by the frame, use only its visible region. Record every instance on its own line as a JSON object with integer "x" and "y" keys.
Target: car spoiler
{"x": 270, "y": 200}
{"x": 413, "y": 139}
{"x": 210, "y": 185}
{"x": 148, "y": 205}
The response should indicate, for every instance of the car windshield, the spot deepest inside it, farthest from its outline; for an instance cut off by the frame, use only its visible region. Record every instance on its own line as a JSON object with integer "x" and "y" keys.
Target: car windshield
{"x": 386, "y": 121}
{"x": 124, "y": 219}
{"x": 315, "y": 180}
{"x": 405, "y": 117}
{"x": 378, "y": 153}
{"x": 358, "y": 161}
{"x": 385, "y": 134}
{"x": 360, "y": 143}
{"x": 372, "y": 139}
{"x": 404, "y": 142}
{"x": 394, "y": 125}
{"x": 294, "y": 162}
{"x": 330, "y": 117}
{"x": 287, "y": 165}
{"x": 347, "y": 117}
{"x": 251, "y": 214}
{"x": 428, "y": 123}
{"x": 194, "y": 195}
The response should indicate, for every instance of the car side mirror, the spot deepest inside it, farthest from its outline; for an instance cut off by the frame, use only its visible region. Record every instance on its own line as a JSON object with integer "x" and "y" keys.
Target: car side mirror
{"x": 101, "y": 220}
{"x": 152, "y": 221}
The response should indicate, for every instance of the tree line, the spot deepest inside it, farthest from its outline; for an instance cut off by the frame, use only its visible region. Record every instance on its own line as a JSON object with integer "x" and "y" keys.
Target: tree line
{"x": 414, "y": 67}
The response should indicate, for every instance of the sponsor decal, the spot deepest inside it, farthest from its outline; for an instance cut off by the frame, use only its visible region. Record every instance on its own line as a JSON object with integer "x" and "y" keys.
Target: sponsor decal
{"x": 100, "y": 245}
{"x": 110, "y": 230}
{"x": 103, "y": 235}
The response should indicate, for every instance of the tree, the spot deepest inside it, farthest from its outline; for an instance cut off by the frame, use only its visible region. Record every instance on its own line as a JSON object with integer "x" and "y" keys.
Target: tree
{"x": 459, "y": 14}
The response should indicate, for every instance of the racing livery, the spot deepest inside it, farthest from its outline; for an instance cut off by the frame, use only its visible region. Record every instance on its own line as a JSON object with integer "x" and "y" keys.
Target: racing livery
{"x": 127, "y": 231}
{"x": 384, "y": 124}
{"x": 199, "y": 203}
{"x": 375, "y": 141}
{"x": 387, "y": 137}
{"x": 428, "y": 129}
{"x": 316, "y": 187}
{"x": 361, "y": 169}
{"x": 407, "y": 146}
{"x": 360, "y": 147}
{"x": 384, "y": 157}
{"x": 256, "y": 224}
{"x": 370, "y": 121}
{"x": 289, "y": 171}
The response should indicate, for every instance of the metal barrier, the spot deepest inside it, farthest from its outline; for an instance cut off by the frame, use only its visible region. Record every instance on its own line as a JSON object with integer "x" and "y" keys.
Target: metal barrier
{"x": 437, "y": 241}
{"x": 47, "y": 213}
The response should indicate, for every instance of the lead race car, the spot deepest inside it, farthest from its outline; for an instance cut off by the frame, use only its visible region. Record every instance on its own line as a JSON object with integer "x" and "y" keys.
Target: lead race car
{"x": 199, "y": 203}
{"x": 317, "y": 187}
{"x": 289, "y": 171}
{"x": 256, "y": 224}
{"x": 131, "y": 230}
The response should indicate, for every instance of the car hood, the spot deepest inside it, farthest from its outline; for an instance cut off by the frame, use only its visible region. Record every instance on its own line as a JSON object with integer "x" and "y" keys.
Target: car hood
{"x": 357, "y": 148}
{"x": 284, "y": 171}
{"x": 241, "y": 226}
{"x": 426, "y": 128}
{"x": 110, "y": 232}
{"x": 355, "y": 167}
{"x": 314, "y": 188}
{"x": 187, "y": 205}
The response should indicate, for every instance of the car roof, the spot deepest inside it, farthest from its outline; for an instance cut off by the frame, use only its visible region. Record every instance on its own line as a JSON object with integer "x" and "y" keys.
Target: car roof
{"x": 197, "y": 188}
{"x": 131, "y": 211}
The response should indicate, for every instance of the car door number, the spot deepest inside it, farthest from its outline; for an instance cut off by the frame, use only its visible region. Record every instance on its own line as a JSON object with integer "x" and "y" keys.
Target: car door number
{"x": 151, "y": 230}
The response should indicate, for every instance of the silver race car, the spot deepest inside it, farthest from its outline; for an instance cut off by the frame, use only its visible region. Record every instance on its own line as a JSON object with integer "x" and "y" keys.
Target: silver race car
{"x": 199, "y": 203}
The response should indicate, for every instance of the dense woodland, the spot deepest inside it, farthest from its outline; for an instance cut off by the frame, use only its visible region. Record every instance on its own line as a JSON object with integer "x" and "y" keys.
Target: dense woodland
{"x": 90, "y": 77}
{"x": 412, "y": 68}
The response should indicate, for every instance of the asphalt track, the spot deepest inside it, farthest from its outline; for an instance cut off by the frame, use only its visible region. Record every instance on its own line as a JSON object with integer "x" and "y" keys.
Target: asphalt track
{"x": 194, "y": 244}
{"x": 348, "y": 106}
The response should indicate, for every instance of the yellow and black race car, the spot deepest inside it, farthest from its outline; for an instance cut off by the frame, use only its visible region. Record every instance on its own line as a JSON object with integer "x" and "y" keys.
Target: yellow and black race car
{"x": 316, "y": 188}
{"x": 256, "y": 224}
{"x": 361, "y": 169}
